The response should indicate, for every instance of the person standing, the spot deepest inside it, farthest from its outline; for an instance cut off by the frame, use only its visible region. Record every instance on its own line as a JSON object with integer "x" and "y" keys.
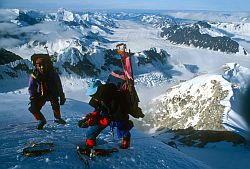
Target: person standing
{"x": 45, "y": 85}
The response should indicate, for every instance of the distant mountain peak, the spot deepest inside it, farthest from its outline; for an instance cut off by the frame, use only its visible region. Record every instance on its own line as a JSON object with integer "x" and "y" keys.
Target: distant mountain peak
{"x": 7, "y": 56}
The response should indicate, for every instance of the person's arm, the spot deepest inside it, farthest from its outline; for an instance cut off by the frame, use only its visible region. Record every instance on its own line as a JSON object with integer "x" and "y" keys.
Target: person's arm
{"x": 60, "y": 89}
{"x": 32, "y": 86}
{"x": 92, "y": 119}
{"x": 58, "y": 83}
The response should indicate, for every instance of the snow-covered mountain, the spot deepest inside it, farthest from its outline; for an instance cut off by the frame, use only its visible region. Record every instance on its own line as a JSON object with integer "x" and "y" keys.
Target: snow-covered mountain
{"x": 206, "y": 102}
{"x": 79, "y": 40}
{"x": 73, "y": 39}
{"x": 27, "y": 32}
{"x": 13, "y": 66}
{"x": 212, "y": 16}
{"x": 190, "y": 73}
{"x": 7, "y": 57}
{"x": 191, "y": 35}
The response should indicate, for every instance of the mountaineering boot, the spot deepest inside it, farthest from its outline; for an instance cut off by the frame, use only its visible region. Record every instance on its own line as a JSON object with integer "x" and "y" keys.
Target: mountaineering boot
{"x": 84, "y": 149}
{"x": 60, "y": 121}
{"x": 40, "y": 119}
{"x": 90, "y": 143}
{"x": 87, "y": 147}
{"x": 125, "y": 142}
{"x": 58, "y": 118}
{"x": 40, "y": 124}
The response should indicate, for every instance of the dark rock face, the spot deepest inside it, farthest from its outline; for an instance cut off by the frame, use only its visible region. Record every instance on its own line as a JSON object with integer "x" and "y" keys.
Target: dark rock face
{"x": 12, "y": 65}
{"x": 7, "y": 57}
{"x": 111, "y": 60}
{"x": 192, "y": 68}
{"x": 17, "y": 69}
{"x": 200, "y": 138}
{"x": 171, "y": 111}
{"x": 245, "y": 106}
{"x": 203, "y": 24}
{"x": 82, "y": 67}
{"x": 191, "y": 36}
{"x": 152, "y": 55}
{"x": 30, "y": 17}
{"x": 81, "y": 63}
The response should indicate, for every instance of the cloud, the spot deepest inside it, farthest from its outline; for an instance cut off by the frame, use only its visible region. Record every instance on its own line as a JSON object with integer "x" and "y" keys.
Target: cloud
{"x": 9, "y": 42}
{"x": 9, "y": 35}
{"x": 9, "y": 28}
{"x": 50, "y": 31}
{"x": 12, "y": 35}
{"x": 7, "y": 15}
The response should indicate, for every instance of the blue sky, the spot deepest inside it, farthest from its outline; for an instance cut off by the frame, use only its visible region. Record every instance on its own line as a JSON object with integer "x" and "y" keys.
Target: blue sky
{"x": 215, "y": 5}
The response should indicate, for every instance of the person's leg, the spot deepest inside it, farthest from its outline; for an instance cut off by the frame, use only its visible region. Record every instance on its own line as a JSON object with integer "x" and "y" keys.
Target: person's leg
{"x": 55, "y": 107}
{"x": 92, "y": 133}
{"x": 56, "y": 110}
{"x": 123, "y": 129}
{"x": 35, "y": 109}
{"x": 125, "y": 141}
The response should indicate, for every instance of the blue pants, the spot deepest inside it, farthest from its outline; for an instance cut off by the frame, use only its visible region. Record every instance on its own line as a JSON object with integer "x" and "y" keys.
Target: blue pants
{"x": 122, "y": 129}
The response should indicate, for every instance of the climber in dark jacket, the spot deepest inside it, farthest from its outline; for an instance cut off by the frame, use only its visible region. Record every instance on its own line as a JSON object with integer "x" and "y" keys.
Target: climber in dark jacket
{"x": 110, "y": 109}
{"x": 45, "y": 85}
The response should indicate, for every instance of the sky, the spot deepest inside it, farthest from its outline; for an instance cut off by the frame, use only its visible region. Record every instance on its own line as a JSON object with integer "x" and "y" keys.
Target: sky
{"x": 214, "y": 5}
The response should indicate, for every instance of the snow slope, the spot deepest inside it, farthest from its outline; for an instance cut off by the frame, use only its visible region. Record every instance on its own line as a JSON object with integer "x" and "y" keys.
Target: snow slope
{"x": 18, "y": 130}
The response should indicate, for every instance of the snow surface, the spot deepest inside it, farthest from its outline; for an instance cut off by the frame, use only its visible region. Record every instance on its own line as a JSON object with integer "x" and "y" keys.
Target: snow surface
{"x": 17, "y": 131}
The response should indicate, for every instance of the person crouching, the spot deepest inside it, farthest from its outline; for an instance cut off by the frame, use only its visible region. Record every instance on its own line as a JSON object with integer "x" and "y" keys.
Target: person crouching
{"x": 109, "y": 109}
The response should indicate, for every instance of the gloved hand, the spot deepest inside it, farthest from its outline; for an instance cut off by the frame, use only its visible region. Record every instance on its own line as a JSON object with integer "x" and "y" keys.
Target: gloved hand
{"x": 62, "y": 99}
{"x": 33, "y": 98}
{"x": 93, "y": 118}
{"x": 90, "y": 119}
{"x": 139, "y": 110}
{"x": 83, "y": 123}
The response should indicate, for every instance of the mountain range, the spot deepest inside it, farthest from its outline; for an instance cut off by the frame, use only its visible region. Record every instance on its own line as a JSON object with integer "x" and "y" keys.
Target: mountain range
{"x": 191, "y": 70}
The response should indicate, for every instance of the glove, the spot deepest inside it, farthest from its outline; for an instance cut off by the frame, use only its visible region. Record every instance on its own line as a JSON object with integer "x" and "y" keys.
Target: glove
{"x": 139, "y": 110}
{"x": 62, "y": 99}
{"x": 93, "y": 118}
{"x": 90, "y": 119}
{"x": 83, "y": 123}
{"x": 33, "y": 98}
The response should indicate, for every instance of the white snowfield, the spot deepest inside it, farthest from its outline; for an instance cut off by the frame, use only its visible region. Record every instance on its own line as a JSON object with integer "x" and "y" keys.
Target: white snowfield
{"x": 137, "y": 37}
{"x": 17, "y": 130}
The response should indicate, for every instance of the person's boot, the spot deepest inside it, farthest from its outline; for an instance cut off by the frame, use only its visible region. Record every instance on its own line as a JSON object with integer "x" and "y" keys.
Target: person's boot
{"x": 87, "y": 147}
{"x": 84, "y": 149}
{"x": 125, "y": 142}
{"x": 90, "y": 143}
{"x": 40, "y": 124}
{"x": 60, "y": 121}
{"x": 41, "y": 120}
{"x": 58, "y": 118}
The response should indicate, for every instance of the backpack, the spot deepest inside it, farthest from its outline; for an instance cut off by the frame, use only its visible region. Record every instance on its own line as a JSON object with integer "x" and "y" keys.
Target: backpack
{"x": 45, "y": 57}
{"x": 127, "y": 88}
{"x": 118, "y": 79}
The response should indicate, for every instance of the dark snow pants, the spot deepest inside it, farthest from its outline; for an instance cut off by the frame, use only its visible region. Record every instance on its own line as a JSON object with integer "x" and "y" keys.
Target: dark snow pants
{"x": 36, "y": 106}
